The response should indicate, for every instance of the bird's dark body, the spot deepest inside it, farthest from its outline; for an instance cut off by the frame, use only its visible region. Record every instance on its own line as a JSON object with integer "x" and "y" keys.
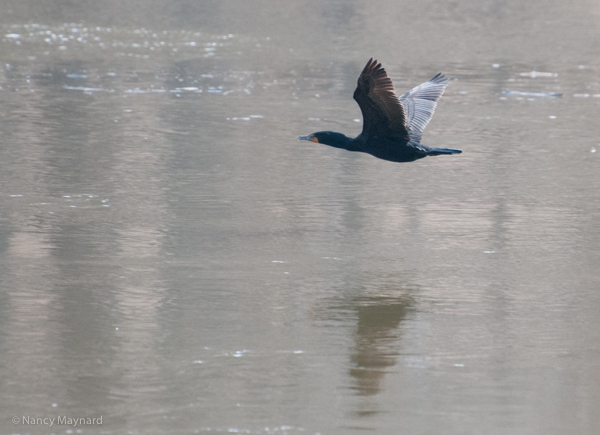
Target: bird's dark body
{"x": 392, "y": 126}
{"x": 387, "y": 148}
{"x": 392, "y": 149}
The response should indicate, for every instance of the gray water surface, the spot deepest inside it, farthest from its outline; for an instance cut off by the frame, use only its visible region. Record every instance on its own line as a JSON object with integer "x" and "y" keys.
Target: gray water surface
{"x": 174, "y": 261}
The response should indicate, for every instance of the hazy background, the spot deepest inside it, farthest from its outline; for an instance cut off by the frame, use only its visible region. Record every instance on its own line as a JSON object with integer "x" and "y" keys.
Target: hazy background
{"x": 174, "y": 260}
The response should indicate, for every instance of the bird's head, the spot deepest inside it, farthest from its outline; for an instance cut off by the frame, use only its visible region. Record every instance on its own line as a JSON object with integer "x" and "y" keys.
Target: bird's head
{"x": 331, "y": 138}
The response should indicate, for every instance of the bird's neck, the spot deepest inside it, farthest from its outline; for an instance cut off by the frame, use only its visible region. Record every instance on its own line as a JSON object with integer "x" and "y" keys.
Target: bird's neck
{"x": 342, "y": 141}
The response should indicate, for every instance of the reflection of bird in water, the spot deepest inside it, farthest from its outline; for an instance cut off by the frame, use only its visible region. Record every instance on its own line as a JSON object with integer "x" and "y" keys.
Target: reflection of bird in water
{"x": 392, "y": 126}
{"x": 377, "y": 340}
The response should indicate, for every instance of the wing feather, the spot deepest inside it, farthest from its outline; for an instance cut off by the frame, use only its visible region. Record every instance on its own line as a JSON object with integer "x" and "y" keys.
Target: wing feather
{"x": 419, "y": 104}
{"x": 383, "y": 113}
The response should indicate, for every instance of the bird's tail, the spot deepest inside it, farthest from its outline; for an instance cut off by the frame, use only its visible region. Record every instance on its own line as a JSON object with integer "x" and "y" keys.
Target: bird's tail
{"x": 438, "y": 151}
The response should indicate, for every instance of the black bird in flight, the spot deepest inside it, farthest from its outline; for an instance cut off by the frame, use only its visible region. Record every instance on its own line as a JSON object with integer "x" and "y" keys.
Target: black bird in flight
{"x": 392, "y": 126}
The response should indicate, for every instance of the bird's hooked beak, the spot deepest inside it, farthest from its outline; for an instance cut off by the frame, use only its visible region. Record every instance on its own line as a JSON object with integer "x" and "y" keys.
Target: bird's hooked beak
{"x": 310, "y": 137}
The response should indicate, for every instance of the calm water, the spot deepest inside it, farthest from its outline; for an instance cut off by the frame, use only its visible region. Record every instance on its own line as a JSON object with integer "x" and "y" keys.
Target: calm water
{"x": 174, "y": 261}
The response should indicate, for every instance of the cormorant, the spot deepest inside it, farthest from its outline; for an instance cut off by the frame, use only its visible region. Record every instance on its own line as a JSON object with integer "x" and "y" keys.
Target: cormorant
{"x": 392, "y": 126}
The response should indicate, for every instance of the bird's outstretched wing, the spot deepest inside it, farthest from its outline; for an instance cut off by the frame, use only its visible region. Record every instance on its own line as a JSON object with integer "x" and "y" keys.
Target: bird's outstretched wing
{"x": 419, "y": 104}
{"x": 382, "y": 111}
